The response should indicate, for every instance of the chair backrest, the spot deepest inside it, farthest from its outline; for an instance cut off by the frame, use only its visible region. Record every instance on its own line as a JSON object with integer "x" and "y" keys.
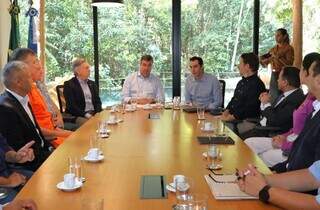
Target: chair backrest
{"x": 61, "y": 99}
{"x": 122, "y": 82}
{"x": 223, "y": 89}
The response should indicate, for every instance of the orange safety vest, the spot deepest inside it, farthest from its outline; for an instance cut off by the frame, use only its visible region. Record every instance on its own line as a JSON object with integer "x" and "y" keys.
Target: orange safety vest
{"x": 41, "y": 113}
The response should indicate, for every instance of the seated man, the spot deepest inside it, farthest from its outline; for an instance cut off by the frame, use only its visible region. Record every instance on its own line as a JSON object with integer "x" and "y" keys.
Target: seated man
{"x": 17, "y": 122}
{"x": 306, "y": 148}
{"x": 44, "y": 118}
{"x": 202, "y": 88}
{"x": 143, "y": 85}
{"x": 10, "y": 178}
{"x": 278, "y": 114}
{"x": 276, "y": 149}
{"x": 81, "y": 93}
{"x": 245, "y": 101}
{"x": 283, "y": 189}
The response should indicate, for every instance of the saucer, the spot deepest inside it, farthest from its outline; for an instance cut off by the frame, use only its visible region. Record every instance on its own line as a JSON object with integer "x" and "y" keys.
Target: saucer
{"x": 147, "y": 107}
{"x": 130, "y": 110}
{"x": 206, "y": 130}
{"x": 170, "y": 187}
{"x": 101, "y": 157}
{"x": 104, "y": 135}
{"x": 112, "y": 122}
{"x": 62, "y": 187}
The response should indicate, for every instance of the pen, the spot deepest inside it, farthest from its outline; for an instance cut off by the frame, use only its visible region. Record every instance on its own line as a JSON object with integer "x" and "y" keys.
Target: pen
{"x": 246, "y": 173}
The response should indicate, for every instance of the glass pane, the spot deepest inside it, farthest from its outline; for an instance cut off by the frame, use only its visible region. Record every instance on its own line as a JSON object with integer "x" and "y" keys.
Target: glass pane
{"x": 217, "y": 31}
{"x": 273, "y": 15}
{"x": 311, "y": 27}
{"x": 68, "y": 35}
{"x": 125, "y": 34}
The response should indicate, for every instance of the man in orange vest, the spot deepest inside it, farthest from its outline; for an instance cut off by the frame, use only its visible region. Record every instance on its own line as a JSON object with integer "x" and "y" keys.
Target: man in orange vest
{"x": 46, "y": 121}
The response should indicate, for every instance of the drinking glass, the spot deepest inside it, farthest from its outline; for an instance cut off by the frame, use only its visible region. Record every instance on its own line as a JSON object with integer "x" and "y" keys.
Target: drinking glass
{"x": 176, "y": 102}
{"x": 76, "y": 167}
{"x": 200, "y": 112}
{"x": 134, "y": 103}
{"x": 198, "y": 201}
{"x": 92, "y": 204}
{"x": 183, "y": 186}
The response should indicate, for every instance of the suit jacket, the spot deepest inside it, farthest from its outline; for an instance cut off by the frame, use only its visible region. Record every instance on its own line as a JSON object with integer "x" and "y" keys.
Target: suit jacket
{"x": 18, "y": 129}
{"x": 306, "y": 148}
{"x": 74, "y": 96}
{"x": 281, "y": 115}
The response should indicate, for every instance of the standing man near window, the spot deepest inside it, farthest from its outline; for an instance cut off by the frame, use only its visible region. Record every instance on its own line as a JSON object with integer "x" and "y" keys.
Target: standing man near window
{"x": 143, "y": 85}
{"x": 202, "y": 88}
{"x": 81, "y": 94}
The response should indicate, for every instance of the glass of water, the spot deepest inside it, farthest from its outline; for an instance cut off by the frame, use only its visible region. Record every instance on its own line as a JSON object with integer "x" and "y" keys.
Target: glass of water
{"x": 76, "y": 167}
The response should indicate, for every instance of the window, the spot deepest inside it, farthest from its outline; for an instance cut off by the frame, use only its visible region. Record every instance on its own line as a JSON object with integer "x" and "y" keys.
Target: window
{"x": 311, "y": 28}
{"x": 125, "y": 34}
{"x": 217, "y": 31}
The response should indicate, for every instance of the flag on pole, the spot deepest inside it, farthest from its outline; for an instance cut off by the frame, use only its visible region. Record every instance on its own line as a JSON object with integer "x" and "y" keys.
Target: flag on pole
{"x": 14, "y": 11}
{"x": 32, "y": 35}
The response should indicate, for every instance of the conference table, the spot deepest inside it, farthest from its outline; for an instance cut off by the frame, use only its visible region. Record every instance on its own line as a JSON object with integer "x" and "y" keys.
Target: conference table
{"x": 139, "y": 146}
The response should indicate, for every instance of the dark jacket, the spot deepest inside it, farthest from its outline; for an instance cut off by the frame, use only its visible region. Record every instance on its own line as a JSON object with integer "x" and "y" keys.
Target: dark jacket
{"x": 281, "y": 115}
{"x": 18, "y": 129}
{"x": 74, "y": 96}
{"x": 306, "y": 148}
{"x": 245, "y": 102}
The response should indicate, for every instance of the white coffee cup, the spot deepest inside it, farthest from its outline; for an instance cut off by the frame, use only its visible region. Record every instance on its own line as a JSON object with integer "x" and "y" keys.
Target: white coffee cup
{"x": 207, "y": 126}
{"x": 112, "y": 118}
{"x": 93, "y": 153}
{"x": 129, "y": 107}
{"x": 177, "y": 178}
{"x": 69, "y": 180}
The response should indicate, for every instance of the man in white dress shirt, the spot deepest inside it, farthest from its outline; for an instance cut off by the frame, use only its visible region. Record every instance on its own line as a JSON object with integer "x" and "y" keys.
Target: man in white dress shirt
{"x": 142, "y": 85}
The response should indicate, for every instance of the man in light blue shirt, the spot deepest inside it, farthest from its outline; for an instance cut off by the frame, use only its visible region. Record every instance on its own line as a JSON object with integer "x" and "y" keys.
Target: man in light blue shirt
{"x": 202, "y": 88}
{"x": 143, "y": 86}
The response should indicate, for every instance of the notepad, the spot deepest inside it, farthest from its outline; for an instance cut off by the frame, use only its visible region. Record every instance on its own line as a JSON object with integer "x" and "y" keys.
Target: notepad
{"x": 226, "y": 191}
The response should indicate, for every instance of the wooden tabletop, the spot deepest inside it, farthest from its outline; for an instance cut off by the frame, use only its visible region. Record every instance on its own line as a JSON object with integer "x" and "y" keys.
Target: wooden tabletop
{"x": 138, "y": 146}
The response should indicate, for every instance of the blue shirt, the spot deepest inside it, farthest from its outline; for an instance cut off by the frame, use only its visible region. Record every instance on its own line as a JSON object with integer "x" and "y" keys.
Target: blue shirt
{"x": 205, "y": 91}
{"x": 315, "y": 171}
{"x": 138, "y": 86}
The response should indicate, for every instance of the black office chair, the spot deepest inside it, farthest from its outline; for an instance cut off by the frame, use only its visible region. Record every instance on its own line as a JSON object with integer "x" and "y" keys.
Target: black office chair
{"x": 61, "y": 100}
{"x": 62, "y": 105}
{"x": 223, "y": 89}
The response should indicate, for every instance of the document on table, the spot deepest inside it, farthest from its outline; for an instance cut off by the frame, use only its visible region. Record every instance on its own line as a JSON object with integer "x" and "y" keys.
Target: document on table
{"x": 227, "y": 190}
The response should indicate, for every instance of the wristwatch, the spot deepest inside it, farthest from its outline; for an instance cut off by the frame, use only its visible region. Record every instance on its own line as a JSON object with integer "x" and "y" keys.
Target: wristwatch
{"x": 264, "y": 194}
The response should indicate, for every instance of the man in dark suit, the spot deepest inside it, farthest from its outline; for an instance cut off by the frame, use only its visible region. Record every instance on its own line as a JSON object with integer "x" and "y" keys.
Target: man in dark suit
{"x": 81, "y": 94}
{"x": 278, "y": 114}
{"x": 17, "y": 123}
{"x": 306, "y": 148}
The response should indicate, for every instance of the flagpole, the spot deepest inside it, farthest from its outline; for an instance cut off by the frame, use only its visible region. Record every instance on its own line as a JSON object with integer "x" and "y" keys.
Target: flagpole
{"x": 42, "y": 36}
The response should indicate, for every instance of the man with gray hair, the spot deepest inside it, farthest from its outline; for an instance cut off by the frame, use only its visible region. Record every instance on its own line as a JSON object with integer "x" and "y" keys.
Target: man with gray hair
{"x": 81, "y": 94}
{"x": 17, "y": 122}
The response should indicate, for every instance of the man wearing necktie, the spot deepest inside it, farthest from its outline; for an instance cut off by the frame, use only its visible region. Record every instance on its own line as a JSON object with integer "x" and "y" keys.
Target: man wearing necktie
{"x": 279, "y": 113}
{"x": 17, "y": 123}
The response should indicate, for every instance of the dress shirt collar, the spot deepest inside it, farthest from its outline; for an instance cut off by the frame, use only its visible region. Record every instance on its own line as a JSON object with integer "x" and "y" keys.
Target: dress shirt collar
{"x": 141, "y": 76}
{"x": 23, "y": 100}
{"x": 81, "y": 81}
{"x": 203, "y": 77}
{"x": 287, "y": 93}
{"x": 250, "y": 77}
{"x": 316, "y": 107}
